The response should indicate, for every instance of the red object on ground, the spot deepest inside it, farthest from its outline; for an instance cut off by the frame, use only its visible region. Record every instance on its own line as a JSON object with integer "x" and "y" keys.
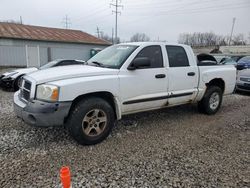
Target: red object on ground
{"x": 65, "y": 176}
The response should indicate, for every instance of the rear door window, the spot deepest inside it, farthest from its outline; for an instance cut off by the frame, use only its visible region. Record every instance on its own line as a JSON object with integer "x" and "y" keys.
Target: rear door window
{"x": 177, "y": 56}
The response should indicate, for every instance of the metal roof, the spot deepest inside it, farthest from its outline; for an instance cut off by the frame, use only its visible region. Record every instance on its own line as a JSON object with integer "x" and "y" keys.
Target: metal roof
{"x": 30, "y": 32}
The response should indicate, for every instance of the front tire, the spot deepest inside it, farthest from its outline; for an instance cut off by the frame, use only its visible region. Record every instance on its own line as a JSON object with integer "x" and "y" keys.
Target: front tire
{"x": 211, "y": 101}
{"x": 17, "y": 83}
{"x": 91, "y": 121}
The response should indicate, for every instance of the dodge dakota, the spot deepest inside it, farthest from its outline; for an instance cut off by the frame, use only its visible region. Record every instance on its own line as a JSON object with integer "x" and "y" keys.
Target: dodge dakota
{"x": 122, "y": 79}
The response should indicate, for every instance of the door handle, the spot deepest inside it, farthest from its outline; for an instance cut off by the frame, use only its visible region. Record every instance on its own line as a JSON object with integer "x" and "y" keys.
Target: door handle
{"x": 191, "y": 73}
{"x": 160, "y": 76}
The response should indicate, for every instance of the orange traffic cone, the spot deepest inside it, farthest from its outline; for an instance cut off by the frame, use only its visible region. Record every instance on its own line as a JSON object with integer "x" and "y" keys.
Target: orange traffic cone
{"x": 65, "y": 177}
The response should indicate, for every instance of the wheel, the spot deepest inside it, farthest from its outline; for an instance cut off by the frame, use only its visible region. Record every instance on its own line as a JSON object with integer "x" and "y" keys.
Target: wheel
{"x": 17, "y": 83}
{"x": 91, "y": 121}
{"x": 211, "y": 101}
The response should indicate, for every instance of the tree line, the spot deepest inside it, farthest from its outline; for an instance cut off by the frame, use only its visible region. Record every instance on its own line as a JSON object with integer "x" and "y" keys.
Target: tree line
{"x": 211, "y": 39}
{"x": 196, "y": 39}
{"x": 138, "y": 37}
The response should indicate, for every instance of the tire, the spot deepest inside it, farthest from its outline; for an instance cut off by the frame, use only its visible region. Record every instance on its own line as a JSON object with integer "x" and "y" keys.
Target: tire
{"x": 91, "y": 121}
{"x": 211, "y": 101}
{"x": 16, "y": 83}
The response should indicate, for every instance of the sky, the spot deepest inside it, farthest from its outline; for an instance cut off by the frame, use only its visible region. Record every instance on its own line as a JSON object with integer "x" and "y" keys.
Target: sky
{"x": 159, "y": 19}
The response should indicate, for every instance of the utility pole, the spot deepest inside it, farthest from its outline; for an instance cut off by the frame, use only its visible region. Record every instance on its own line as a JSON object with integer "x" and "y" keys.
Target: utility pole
{"x": 112, "y": 35}
{"x": 98, "y": 32}
{"x": 66, "y": 22}
{"x": 21, "y": 20}
{"x": 234, "y": 19}
{"x": 116, "y": 5}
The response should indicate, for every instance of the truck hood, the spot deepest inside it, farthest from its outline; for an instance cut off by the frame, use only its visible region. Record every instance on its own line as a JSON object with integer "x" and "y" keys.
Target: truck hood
{"x": 72, "y": 71}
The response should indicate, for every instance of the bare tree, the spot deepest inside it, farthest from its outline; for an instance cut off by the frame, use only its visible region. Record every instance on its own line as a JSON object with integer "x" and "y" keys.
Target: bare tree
{"x": 139, "y": 37}
{"x": 108, "y": 38}
{"x": 203, "y": 39}
{"x": 239, "y": 39}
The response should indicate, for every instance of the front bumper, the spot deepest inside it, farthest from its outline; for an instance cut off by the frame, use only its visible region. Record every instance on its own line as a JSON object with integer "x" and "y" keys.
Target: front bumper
{"x": 7, "y": 82}
{"x": 243, "y": 87}
{"x": 41, "y": 114}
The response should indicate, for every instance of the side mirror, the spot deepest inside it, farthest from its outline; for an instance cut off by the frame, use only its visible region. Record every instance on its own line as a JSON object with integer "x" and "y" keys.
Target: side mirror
{"x": 139, "y": 62}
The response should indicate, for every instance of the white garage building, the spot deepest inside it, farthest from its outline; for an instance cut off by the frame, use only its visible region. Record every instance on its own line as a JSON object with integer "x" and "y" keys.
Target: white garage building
{"x": 33, "y": 46}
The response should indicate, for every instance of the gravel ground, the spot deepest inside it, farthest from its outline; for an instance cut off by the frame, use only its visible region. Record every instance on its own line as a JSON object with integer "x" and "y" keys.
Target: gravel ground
{"x": 175, "y": 147}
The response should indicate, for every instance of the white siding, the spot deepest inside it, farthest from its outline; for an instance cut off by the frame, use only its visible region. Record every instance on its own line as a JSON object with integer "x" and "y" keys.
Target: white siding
{"x": 12, "y": 56}
{"x": 12, "y": 52}
{"x": 43, "y": 55}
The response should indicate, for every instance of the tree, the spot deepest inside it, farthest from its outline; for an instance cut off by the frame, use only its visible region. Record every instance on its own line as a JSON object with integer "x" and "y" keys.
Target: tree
{"x": 202, "y": 39}
{"x": 239, "y": 40}
{"x": 139, "y": 37}
{"x": 108, "y": 38}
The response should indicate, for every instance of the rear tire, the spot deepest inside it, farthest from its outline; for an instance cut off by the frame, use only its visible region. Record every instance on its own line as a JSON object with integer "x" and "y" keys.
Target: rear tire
{"x": 211, "y": 101}
{"x": 91, "y": 121}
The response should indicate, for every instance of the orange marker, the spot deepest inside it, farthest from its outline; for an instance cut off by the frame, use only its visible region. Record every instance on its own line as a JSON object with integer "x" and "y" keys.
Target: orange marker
{"x": 65, "y": 177}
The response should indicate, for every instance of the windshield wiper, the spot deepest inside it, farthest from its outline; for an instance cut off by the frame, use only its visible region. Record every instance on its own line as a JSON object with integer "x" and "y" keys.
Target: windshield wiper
{"x": 97, "y": 63}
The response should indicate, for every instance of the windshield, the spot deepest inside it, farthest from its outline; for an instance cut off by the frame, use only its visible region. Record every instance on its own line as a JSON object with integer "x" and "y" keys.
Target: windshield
{"x": 113, "y": 56}
{"x": 48, "y": 65}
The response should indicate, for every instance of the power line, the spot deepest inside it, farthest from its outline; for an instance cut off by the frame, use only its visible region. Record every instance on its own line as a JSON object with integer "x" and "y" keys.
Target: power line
{"x": 116, "y": 5}
{"x": 66, "y": 22}
{"x": 220, "y": 7}
{"x": 183, "y": 10}
{"x": 91, "y": 16}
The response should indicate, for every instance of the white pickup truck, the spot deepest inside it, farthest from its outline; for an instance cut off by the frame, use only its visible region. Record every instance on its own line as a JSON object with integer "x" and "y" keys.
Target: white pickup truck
{"x": 122, "y": 79}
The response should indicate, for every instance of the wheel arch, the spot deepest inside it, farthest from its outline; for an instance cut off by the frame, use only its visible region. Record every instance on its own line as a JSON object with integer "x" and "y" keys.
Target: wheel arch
{"x": 16, "y": 80}
{"x": 217, "y": 82}
{"x": 107, "y": 96}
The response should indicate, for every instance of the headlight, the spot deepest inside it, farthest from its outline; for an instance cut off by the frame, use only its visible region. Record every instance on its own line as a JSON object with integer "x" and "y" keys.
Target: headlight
{"x": 47, "y": 92}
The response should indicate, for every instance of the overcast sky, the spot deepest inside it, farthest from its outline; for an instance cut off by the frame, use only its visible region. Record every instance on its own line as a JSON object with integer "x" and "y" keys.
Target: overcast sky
{"x": 163, "y": 19}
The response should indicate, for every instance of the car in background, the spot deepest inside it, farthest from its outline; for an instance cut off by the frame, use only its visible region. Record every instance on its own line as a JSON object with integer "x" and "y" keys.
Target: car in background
{"x": 228, "y": 61}
{"x": 11, "y": 79}
{"x": 237, "y": 57}
{"x": 243, "y": 80}
{"x": 243, "y": 63}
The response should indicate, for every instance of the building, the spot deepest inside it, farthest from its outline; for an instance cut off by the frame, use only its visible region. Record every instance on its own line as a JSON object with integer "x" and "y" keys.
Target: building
{"x": 33, "y": 46}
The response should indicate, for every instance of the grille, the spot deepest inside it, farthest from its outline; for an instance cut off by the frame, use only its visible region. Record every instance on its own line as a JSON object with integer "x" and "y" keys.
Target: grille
{"x": 245, "y": 79}
{"x": 25, "y": 90}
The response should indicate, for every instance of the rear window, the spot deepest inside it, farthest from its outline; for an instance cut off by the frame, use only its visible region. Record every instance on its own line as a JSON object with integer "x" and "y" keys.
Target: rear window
{"x": 177, "y": 56}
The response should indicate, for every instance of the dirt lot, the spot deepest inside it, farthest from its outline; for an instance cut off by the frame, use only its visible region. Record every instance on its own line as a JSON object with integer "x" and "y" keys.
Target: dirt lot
{"x": 175, "y": 147}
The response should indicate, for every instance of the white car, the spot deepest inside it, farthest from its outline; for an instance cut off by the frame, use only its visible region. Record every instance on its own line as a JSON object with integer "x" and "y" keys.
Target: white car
{"x": 11, "y": 79}
{"x": 243, "y": 80}
{"x": 122, "y": 79}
